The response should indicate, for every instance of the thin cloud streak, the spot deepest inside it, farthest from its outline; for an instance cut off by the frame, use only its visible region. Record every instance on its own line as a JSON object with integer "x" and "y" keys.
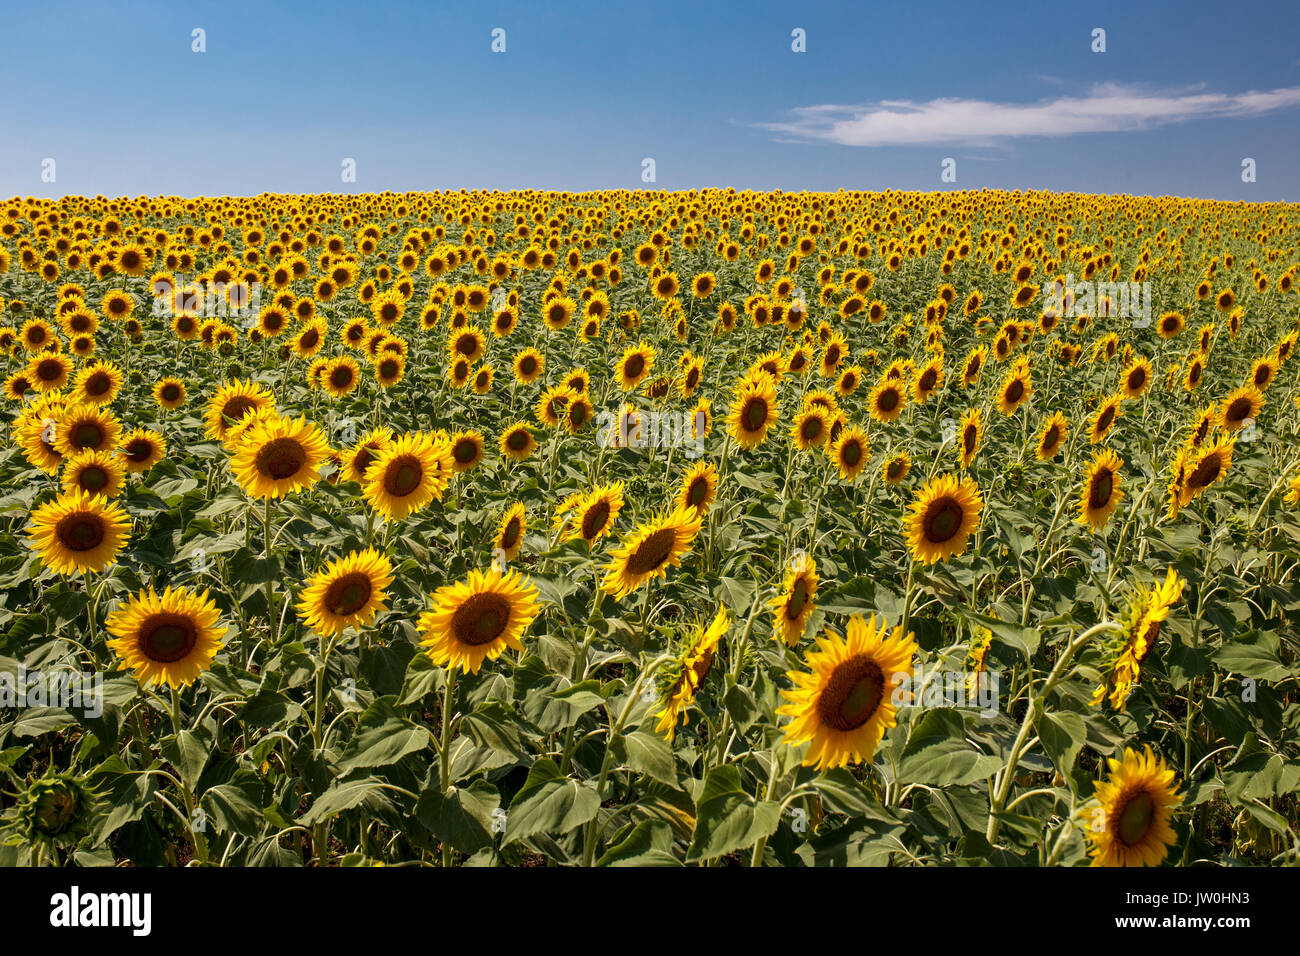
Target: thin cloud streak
{"x": 1106, "y": 109}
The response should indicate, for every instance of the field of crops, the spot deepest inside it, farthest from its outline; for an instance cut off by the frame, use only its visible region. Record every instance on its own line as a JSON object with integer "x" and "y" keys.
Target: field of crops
{"x": 649, "y": 528}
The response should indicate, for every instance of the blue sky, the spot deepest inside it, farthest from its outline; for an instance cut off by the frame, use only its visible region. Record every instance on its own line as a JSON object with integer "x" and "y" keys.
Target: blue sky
{"x": 585, "y": 91}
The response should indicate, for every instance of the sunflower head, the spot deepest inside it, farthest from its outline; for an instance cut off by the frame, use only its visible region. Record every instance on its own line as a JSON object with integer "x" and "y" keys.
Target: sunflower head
{"x": 943, "y": 516}
{"x": 477, "y": 619}
{"x": 1128, "y": 825}
{"x": 169, "y": 638}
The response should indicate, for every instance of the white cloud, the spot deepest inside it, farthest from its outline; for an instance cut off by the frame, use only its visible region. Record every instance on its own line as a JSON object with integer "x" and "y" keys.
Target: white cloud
{"x": 1105, "y": 109}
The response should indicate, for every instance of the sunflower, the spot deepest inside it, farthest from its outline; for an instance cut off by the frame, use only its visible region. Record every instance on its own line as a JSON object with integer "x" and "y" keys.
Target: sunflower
{"x": 1104, "y": 418}
{"x": 18, "y": 385}
{"x": 1241, "y": 405}
{"x": 278, "y": 456}
{"x": 578, "y": 412}
{"x": 49, "y": 373}
{"x": 408, "y": 474}
{"x": 232, "y": 402}
{"x": 682, "y": 679}
{"x": 887, "y": 400}
{"x": 1141, "y": 627}
{"x": 467, "y": 450}
{"x": 944, "y": 514}
{"x": 477, "y": 619}
{"x": 97, "y": 384}
{"x": 1101, "y": 492}
{"x": 634, "y": 366}
{"x": 896, "y": 468}
{"x": 753, "y": 411}
{"x": 87, "y": 428}
{"x": 792, "y": 608}
{"x": 1052, "y": 437}
{"x": 1205, "y": 469}
{"x": 348, "y": 592}
{"x": 850, "y": 452}
{"x": 970, "y": 370}
{"x": 1171, "y": 325}
{"x": 1015, "y": 390}
{"x": 142, "y": 449}
{"x": 969, "y": 434}
{"x": 810, "y": 428}
{"x": 340, "y": 376}
{"x": 94, "y": 472}
{"x": 528, "y": 366}
{"x": 551, "y": 405}
{"x": 169, "y": 393}
{"x": 78, "y": 532}
{"x": 510, "y": 532}
{"x": 517, "y": 442}
{"x": 358, "y": 459}
{"x": 170, "y": 638}
{"x": 843, "y": 704}
{"x": 593, "y": 515}
{"x": 651, "y": 550}
{"x": 699, "y": 487}
{"x": 1129, "y": 826}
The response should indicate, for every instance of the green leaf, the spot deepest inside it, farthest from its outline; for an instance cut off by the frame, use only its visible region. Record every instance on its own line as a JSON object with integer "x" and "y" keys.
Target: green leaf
{"x": 1062, "y": 736}
{"x": 549, "y": 803}
{"x": 1254, "y": 654}
{"x": 727, "y": 818}
{"x": 382, "y": 737}
{"x": 463, "y": 817}
{"x": 938, "y": 754}
{"x": 345, "y": 796}
{"x": 648, "y": 753}
{"x": 649, "y": 843}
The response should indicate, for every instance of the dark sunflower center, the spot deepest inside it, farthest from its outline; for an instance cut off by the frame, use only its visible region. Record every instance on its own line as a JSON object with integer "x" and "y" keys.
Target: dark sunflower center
{"x": 652, "y": 552}
{"x": 1239, "y": 410}
{"x": 798, "y": 599}
{"x": 281, "y": 458}
{"x": 1206, "y": 472}
{"x": 171, "y": 393}
{"x": 237, "y": 408}
{"x": 968, "y": 439}
{"x": 348, "y": 594}
{"x": 634, "y": 366}
{"x": 93, "y": 478}
{"x": 165, "y": 638}
{"x": 403, "y": 476}
{"x": 510, "y": 534}
{"x": 481, "y": 619}
{"x": 138, "y": 449}
{"x": 811, "y": 429}
{"x": 1136, "y": 818}
{"x": 888, "y": 400}
{"x": 1104, "y": 421}
{"x": 754, "y": 416}
{"x": 341, "y": 377}
{"x": 928, "y": 378}
{"x": 80, "y": 531}
{"x": 943, "y": 521}
{"x": 517, "y": 440}
{"x": 49, "y": 371}
{"x": 98, "y": 384}
{"x": 1103, "y": 483}
{"x": 1137, "y": 378}
{"x": 851, "y": 453}
{"x": 1015, "y": 391}
{"x": 87, "y": 435}
{"x": 593, "y": 521}
{"x": 528, "y": 365}
{"x": 852, "y": 694}
{"x": 698, "y": 492}
{"x": 1052, "y": 437}
{"x": 465, "y": 452}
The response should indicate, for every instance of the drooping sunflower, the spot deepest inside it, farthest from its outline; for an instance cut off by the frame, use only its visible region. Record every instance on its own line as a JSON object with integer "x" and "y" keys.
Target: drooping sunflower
{"x": 142, "y": 449}
{"x": 1129, "y": 825}
{"x": 510, "y": 532}
{"x": 1052, "y": 437}
{"x": 753, "y": 411}
{"x": 348, "y": 592}
{"x": 1101, "y": 491}
{"x": 682, "y": 679}
{"x": 477, "y": 619}
{"x": 94, "y": 472}
{"x": 78, "y": 532}
{"x": 792, "y": 608}
{"x": 232, "y": 402}
{"x": 944, "y": 514}
{"x": 408, "y": 474}
{"x": 650, "y": 551}
{"x": 169, "y": 638}
{"x": 845, "y": 702}
{"x": 1141, "y": 622}
{"x": 278, "y": 456}
{"x": 699, "y": 487}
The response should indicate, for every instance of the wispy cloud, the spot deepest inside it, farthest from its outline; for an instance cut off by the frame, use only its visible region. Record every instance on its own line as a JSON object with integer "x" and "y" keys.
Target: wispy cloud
{"x": 1105, "y": 109}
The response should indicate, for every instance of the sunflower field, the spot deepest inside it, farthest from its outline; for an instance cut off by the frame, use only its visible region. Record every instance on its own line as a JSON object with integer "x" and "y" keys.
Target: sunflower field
{"x": 649, "y": 528}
